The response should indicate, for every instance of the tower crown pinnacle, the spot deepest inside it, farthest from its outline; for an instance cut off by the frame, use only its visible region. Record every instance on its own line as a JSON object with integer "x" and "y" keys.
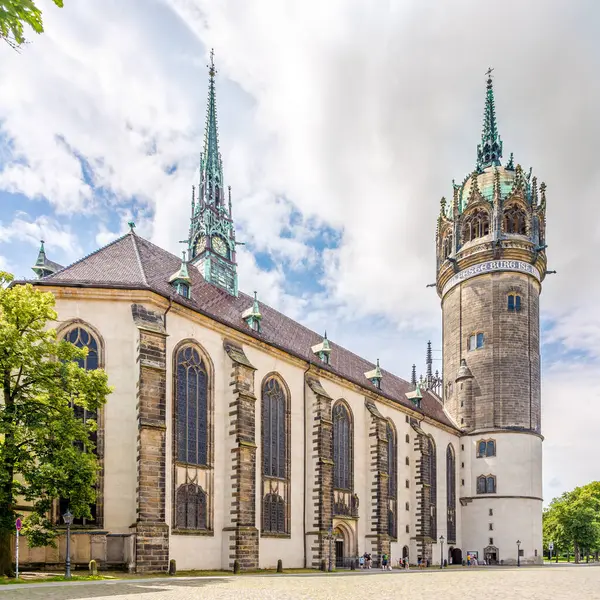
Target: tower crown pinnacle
{"x": 489, "y": 152}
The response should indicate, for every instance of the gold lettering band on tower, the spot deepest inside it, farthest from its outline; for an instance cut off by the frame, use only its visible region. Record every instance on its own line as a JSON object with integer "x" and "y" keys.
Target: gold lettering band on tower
{"x": 489, "y": 267}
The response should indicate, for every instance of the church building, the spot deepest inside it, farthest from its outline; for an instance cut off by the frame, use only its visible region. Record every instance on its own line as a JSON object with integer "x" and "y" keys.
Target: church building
{"x": 237, "y": 434}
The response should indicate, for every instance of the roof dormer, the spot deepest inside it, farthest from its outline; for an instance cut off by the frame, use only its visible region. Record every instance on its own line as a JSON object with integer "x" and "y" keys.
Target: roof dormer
{"x": 323, "y": 350}
{"x": 375, "y": 376}
{"x": 181, "y": 279}
{"x": 252, "y": 315}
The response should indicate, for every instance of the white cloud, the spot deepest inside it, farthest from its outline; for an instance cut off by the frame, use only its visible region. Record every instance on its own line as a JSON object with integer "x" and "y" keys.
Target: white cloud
{"x": 55, "y": 233}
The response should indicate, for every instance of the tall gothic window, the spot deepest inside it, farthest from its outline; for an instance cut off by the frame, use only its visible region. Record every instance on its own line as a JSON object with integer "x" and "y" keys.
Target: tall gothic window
{"x": 475, "y": 225}
{"x": 190, "y": 507}
{"x": 82, "y": 338}
{"x": 273, "y": 429}
{"x": 275, "y": 457}
{"x": 451, "y": 494}
{"x": 392, "y": 480}
{"x": 515, "y": 220}
{"x": 342, "y": 447}
{"x": 191, "y": 407}
{"x": 431, "y": 483}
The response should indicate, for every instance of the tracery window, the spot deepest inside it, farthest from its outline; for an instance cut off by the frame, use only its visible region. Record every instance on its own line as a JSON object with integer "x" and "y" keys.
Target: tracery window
{"x": 191, "y": 414}
{"x": 486, "y": 484}
{"x": 475, "y": 225}
{"x": 514, "y": 302}
{"x": 392, "y": 480}
{"x": 342, "y": 447}
{"x": 486, "y": 448}
{"x": 273, "y": 514}
{"x": 82, "y": 338}
{"x": 273, "y": 429}
{"x": 190, "y": 507}
{"x": 451, "y": 493}
{"x": 275, "y": 456}
{"x": 515, "y": 220}
{"x": 430, "y": 481}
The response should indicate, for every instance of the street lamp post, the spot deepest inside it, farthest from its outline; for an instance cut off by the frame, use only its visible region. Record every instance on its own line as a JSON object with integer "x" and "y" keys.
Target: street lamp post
{"x": 68, "y": 519}
{"x": 441, "y": 551}
{"x": 518, "y": 553}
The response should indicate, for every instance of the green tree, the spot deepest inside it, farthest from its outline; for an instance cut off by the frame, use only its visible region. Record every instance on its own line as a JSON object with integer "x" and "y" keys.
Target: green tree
{"x": 14, "y": 14}
{"x": 45, "y": 450}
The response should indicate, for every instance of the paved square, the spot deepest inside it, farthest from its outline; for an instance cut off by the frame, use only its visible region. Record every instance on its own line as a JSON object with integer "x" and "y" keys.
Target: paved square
{"x": 549, "y": 583}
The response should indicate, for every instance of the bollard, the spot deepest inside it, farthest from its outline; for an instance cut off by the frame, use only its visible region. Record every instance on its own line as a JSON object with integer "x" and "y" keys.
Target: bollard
{"x": 172, "y": 567}
{"x": 279, "y": 566}
{"x": 93, "y": 568}
{"x": 236, "y": 566}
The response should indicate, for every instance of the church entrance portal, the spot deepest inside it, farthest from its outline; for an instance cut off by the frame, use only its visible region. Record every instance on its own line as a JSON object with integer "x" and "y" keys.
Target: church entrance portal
{"x": 455, "y": 557}
{"x": 490, "y": 554}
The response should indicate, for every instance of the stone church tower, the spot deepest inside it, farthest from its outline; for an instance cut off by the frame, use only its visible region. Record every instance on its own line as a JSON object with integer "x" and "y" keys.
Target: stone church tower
{"x": 490, "y": 264}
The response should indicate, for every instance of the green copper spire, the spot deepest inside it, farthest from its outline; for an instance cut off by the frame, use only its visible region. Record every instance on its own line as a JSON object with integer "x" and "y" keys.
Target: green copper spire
{"x": 211, "y": 239}
{"x": 43, "y": 266}
{"x": 211, "y": 169}
{"x": 489, "y": 152}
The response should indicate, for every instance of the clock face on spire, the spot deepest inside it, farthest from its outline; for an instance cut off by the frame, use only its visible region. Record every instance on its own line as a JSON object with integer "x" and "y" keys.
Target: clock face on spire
{"x": 200, "y": 245}
{"x": 219, "y": 246}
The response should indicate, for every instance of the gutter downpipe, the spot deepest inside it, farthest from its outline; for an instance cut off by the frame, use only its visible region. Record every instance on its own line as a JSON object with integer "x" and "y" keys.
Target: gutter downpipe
{"x": 165, "y": 313}
{"x": 304, "y": 445}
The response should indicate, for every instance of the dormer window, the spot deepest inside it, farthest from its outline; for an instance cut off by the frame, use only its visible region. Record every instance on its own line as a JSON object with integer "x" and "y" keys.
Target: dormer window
{"x": 181, "y": 279}
{"x": 415, "y": 396}
{"x": 323, "y": 350}
{"x": 375, "y": 376}
{"x": 252, "y": 315}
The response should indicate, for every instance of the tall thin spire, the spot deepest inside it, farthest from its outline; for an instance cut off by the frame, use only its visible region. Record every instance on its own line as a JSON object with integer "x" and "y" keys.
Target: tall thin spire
{"x": 429, "y": 365}
{"x": 211, "y": 172}
{"x": 489, "y": 152}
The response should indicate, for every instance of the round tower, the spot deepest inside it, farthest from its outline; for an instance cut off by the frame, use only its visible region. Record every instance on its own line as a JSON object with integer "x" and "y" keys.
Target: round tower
{"x": 491, "y": 262}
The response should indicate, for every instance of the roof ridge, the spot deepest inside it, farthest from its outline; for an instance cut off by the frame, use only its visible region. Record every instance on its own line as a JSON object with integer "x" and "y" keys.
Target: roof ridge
{"x": 139, "y": 259}
{"x": 53, "y": 276}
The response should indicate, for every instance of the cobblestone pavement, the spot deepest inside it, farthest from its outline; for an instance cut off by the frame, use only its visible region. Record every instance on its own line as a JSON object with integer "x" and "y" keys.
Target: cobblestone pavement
{"x": 549, "y": 583}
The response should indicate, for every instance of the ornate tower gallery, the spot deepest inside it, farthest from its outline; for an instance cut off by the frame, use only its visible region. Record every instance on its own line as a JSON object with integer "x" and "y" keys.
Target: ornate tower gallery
{"x": 490, "y": 264}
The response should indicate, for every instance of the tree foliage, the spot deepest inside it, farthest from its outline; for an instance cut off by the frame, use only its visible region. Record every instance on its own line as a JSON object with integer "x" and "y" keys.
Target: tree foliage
{"x": 45, "y": 449}
{"x": 14, "y": 14}
{"x": 572, "y": 521}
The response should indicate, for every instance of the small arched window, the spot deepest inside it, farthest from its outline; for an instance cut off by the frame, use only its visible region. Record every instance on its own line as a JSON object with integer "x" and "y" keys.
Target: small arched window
{"x": 342, "y": 447}
{"x": 475, "y": 225}
{"x": 515, "y": 220}
{"x": 407, "y": 438}
{"x": 190, "y": 507}
{"x": 407, "y": 483}
{"x": 191, "y": 414}
{"x": 514, "y": 302}
{"x": 476, "y": 341}
{"x": 486, "y": 484}
{"x": 486, "y": 448}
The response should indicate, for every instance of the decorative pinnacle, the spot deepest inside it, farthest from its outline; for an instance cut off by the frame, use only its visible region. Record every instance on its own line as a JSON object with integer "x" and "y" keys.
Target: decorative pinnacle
{"x": 413, "y": 376}
{"x": 489, "y": 152}
{"x": 429, "y": 361}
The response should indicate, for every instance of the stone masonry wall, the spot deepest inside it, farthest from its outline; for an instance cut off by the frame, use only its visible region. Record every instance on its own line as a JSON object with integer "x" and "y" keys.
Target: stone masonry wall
{"x": 152, "y": 532}
{"x": 244, "y": 546}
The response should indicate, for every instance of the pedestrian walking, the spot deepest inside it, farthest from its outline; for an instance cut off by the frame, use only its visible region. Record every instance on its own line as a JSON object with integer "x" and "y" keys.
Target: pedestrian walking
{"x": 384, "y": 562}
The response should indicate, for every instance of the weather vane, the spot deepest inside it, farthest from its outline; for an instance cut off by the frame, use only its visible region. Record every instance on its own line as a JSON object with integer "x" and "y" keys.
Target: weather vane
{"x": 489, "y": 72}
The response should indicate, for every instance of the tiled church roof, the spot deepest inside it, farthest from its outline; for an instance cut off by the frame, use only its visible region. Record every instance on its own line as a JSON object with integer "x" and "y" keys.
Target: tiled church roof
{"x": 132, "y": 262}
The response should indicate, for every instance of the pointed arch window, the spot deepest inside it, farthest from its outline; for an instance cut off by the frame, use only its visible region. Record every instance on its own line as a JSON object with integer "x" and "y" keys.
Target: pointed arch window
{"x": 274, "y": 429}
{"x": 392, "y": 457}
{"x": 190, "y": 507}
{"x": 191, "y": 414}
{"x": 82, "y": 338}
{"x": 475, "y": 225}
{"x": 486, "y": 484}
{"x": 514, "y": 302}
{"x": 451, "y": 493}
{"x": 515, "y": 220}
{"x": 342, "y": 447}
{"x": 430, "y": 481}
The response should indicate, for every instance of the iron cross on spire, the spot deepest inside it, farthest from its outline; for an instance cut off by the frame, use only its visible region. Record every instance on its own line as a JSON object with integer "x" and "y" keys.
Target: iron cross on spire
{"x": 212, "y": 71}
{"x": 489, "y": 72}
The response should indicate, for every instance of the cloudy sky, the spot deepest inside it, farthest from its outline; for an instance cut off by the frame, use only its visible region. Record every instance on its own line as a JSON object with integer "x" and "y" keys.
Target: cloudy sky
{"x": 342, "y": 123}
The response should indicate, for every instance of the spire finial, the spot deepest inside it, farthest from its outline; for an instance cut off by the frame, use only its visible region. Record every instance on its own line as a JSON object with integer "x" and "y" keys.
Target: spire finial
{"x": 211, "y": 68}
{"x": 413, "y": 376}
{"x": 429, "y": 362}
{"x": 130, "y": 224}
{"x": 489, "y": 152}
